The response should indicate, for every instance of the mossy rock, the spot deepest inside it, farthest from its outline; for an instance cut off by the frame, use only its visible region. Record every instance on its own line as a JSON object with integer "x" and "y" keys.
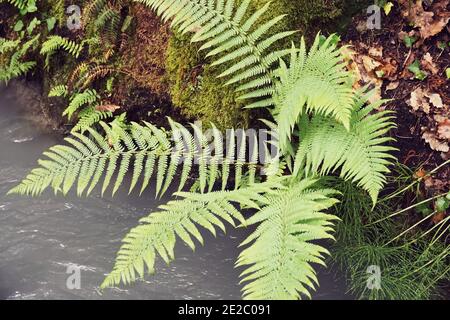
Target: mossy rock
{"x": 194, "y": 86}
{"x": 195, "y": 89}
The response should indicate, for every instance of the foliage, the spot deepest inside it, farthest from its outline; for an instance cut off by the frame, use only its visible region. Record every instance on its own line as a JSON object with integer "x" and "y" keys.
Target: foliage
{"x": 142, "y": 150}
{"x": 25, "y": 6}
{"x": 411, "y": 267}
{"x": 326, "y": 147}
{"x": 281, "y": 252}
{"x": 288, "y": 205}
{"x": 229, "y": 38}
{"x": 14, "y": 56}
{"x": 54, "y": 43}
{"x": 316, "y": 82}
{"x": 17, "y": 66}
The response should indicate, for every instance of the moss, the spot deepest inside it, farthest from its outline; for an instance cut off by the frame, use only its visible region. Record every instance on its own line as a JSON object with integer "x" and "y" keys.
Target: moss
{"x": 195, "y": 89}
{"x": 197, "y": 92}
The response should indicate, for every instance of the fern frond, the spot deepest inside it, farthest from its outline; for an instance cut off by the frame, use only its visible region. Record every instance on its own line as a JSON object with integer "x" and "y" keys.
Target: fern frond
{"x": 138, "y": 149}
{"x": 76, "y": 73}
{"x": 157, "y": 234}
{"x": 17, "y": 67}
{"x": 8, "y": 45}
{"x": 19, "y": 4}
{"x": 92, "y": 8}
{"x": 16, "y": 70}
{"x": 91, "y": 74}
{"x": 282, "y": 248}
{"x": 315, "y": 82}
{"x": 229, "y": 38}
{"x": 359, "y": 154}
{"x": 88, "y": 96}
{"x": 59, "y": 91}
{"x": 90, "y": 116}
{"x": 54, "y": 43}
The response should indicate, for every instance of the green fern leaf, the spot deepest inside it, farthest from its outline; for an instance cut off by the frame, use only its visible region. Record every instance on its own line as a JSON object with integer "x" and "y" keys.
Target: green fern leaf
{"x": 360, "y": 153}
{"x": 314, "y": 82}
{"x": 281, "y": 251}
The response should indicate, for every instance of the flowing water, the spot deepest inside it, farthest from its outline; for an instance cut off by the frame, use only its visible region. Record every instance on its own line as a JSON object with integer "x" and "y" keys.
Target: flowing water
{"x": 43, "y": 239}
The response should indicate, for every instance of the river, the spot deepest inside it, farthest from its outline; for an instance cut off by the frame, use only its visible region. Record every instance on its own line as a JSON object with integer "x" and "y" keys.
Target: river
{"x": 43, "y": 239}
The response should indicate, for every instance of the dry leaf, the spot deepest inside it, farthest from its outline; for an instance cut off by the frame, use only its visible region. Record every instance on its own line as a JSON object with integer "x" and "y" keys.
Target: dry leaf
{"x": 392, "y": 85}
{"x": 427, "y": 63}
{"x": 421, "y": 99}
{"x": 438, "y": 217}
{"x": 107, "y": 107}
{"x": 444, "y": 129}
{"x": 420, "y": 173}
{"x": 389, "y": 69}
{"x": 435, "y": 99}
{"x": 369, "y": 63}
{"x": 429, "y": 23}
{"x": 434, "y": 143}
{"x": 418, "y": 101}
{"x": 376, "y": 52}
{"x": 363, "y": 68}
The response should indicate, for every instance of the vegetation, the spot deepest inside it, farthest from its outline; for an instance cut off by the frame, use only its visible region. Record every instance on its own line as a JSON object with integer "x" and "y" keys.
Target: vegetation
{"x": 332, "y": 158}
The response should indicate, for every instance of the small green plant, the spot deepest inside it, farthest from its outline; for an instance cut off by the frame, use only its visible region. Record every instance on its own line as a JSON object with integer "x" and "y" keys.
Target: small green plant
{"x": 411, "y": 266}
{"x": 27, "y": 27}
{"x": 409, "y": 41}
{"x": 17, "y": 65}
{"x": 418, "y": 73}
{"x": 53, "y": 43}
{"x": 85, "y": 103}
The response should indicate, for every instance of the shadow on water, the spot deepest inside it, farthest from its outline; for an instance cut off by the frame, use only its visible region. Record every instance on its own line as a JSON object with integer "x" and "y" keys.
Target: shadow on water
{"x": 41, "y": 238}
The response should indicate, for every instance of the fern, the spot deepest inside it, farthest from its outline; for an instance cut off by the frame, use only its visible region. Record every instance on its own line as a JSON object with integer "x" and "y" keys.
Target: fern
{"x": 19, "y": 4}
{"x": 230, "y": 39}
{"x": 157, "y": 235}
{"x": 59, "y": 91}
{"x": 314, "y": 82}
{"x": 281, "y": 251}
{"x": 108, "y": 14}
{"x": 326, "y": 146}
{"x": 16, "y": 67}
{"x": 90, "y": 116}
{"x": 78, "y": 100}
{"x": 54, "y": 43}
{"x": 16, "y": 70}
{"x": 8, "y": 45}
{"x": 58, "y": 10}
{"x": 92, "y": 73}
{"x": 337, "y": 133}
{"x": 92, "y": 8}
{"x": 141, "y": 150}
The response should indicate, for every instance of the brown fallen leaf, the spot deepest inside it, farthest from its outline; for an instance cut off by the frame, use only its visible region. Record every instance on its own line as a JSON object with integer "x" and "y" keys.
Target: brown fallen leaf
{"x": 370, "y": 64}
{"x": 438, "y": 217}
{"x": 435, "y": 100}
{"x": 434, "y": 142}
{"x": 428, "y": 64}
{"x": 430, "y": 23}
{"x": 420, "y": 173}
{"x": 423, "y": 100}
{"x": 107, "y": 107}
{"x": 376, "y": 51}
{"x": 444, "y": 129}
{"x": 389, "y": 69}
{"x": 392, "y": 85}
{"x": 418, "y": 101}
